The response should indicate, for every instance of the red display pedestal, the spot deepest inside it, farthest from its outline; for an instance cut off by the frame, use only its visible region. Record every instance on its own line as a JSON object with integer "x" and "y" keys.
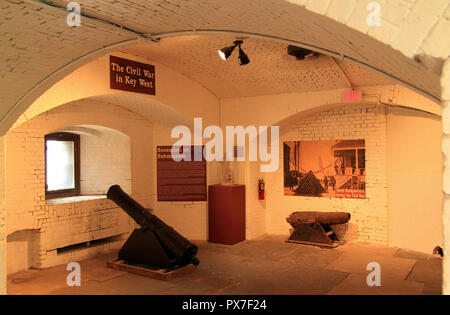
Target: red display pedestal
{"x": 226, "y": 214}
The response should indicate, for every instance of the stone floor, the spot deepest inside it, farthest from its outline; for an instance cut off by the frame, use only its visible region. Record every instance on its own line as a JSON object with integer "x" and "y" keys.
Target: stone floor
{"x": 267, "y": 265}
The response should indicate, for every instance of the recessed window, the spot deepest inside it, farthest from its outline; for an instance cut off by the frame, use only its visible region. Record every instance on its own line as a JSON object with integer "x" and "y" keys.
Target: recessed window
{"x": 62, "y": 165}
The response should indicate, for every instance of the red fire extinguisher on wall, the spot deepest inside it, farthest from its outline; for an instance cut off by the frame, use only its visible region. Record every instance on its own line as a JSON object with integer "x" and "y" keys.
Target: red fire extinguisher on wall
{"x": 261, "y": 188}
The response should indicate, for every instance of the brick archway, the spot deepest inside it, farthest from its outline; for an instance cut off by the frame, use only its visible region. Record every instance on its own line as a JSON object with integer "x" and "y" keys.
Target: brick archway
{"x": 405, "y": 46}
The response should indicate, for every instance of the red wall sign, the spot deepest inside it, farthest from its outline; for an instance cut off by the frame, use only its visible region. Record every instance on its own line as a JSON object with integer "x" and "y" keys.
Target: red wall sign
{"x": 132, "y": 76}
{"x": 352, "y": 96}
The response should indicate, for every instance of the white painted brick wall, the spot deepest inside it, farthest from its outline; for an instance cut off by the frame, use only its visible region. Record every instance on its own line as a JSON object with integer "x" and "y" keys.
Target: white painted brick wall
{"x": 369, "y": 220}
{"x": 104, "y": 161}
{"x": 60, "y": 225}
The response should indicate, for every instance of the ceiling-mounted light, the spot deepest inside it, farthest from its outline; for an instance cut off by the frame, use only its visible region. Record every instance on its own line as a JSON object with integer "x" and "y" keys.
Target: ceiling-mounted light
{"x": 243, "y": 58}
{"x": 226, "y": 52}
{"x": 300, "y": 53}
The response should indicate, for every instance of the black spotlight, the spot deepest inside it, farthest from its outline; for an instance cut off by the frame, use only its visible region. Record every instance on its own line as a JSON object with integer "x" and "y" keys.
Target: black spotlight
{"x": 226, "y": 52}
{"x": 243, "y": 58}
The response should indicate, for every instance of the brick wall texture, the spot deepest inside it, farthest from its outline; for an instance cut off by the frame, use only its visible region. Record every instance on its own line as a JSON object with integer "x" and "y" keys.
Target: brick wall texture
{"x": 369, "y": 222}
{"x": 63, "y": 224}
{"x": 105, "y": 160}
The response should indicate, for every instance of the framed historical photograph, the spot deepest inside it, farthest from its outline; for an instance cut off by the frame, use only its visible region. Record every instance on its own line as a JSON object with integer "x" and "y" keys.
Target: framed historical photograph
{"x": 325, "y": 168}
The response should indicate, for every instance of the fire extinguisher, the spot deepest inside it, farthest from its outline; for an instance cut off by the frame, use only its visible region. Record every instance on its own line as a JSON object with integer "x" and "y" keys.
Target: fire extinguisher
{"x": 261, "y": 189}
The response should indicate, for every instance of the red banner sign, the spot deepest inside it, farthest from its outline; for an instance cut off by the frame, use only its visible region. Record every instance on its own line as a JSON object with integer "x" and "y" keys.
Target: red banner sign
{"x": 132, "y": 76}
{"x": 352, "y": 96}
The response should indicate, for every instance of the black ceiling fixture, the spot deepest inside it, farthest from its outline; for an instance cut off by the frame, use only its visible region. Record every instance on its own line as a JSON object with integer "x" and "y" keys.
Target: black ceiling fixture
{"x": 300, "y": 53}
{"x": 226, "y": 52}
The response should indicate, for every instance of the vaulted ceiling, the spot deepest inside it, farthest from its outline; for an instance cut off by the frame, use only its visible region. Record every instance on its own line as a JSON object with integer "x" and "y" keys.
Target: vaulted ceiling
{"x": 270, "y": 71}
{"x": 39, "y": 48}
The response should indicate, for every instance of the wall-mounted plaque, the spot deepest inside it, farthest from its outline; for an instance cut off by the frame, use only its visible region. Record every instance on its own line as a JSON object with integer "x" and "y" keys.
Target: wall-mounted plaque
{"x": 334, "y": 169}
{"x": 132, "y": 76}
{"x": 180, "y": 181}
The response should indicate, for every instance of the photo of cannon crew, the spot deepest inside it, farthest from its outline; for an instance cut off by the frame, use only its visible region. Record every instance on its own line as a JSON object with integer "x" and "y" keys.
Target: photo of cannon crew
{"x": 325, "y": 168}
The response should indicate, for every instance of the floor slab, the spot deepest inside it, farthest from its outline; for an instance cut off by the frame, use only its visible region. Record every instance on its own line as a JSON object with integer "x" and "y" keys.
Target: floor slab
{"x": 390, "y": 267}
{"x": 357, "y": 284}
{"x": 50, "y": 279}
{"x": 267, "y": 265}
{"x": 427, "y": 271}
{"x": 367, "y": 249}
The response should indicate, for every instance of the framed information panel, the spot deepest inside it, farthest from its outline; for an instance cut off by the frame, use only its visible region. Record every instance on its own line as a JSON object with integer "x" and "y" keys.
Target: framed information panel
{"x": 325, "y": 168}
{"x": 180, "y": 181}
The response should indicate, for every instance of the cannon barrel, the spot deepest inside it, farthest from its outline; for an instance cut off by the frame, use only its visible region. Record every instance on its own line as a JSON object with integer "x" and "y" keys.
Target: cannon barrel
{"x": 184, "y": 251}
{"x": 328, "y": 218}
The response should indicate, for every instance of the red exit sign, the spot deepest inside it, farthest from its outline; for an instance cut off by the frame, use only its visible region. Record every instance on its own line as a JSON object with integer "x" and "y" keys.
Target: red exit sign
{"x": 352, "y": 96}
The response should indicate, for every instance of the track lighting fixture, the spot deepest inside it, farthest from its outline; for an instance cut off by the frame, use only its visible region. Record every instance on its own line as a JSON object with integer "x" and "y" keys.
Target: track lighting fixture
{"x": 243, "y": 58}
{"x": 226, "y": 52}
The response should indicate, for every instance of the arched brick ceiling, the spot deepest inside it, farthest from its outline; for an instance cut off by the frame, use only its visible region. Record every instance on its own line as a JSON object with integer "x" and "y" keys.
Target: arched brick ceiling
{"x": 37, "y": 43}
{"x": 270, "y": 71}
{"x": 276, "y": 18}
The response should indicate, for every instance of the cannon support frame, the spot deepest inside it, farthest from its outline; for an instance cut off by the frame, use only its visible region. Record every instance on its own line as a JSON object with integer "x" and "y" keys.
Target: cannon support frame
{"x": 313, "y": 228}
{"x": 155, "y": 246}
{"x": 314, "y": 234}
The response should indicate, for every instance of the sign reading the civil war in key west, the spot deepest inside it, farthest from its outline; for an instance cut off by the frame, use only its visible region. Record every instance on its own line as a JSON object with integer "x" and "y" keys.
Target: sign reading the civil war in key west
{"x": 132, "y": 76}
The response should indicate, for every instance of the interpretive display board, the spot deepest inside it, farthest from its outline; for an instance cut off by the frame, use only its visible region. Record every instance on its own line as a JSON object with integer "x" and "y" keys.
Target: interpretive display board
{"x": 332, "y": 168}
{"x": 180, "y": 181}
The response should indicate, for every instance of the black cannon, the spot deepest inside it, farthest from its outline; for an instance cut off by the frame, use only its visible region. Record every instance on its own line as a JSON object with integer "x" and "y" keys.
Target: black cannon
{"x": 155, "y": 244}
{"x": 312, "y": 227}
